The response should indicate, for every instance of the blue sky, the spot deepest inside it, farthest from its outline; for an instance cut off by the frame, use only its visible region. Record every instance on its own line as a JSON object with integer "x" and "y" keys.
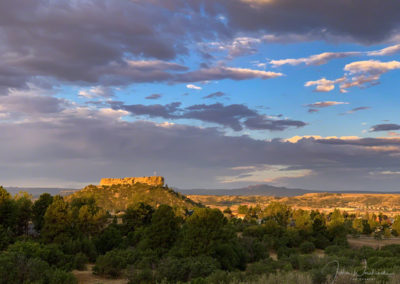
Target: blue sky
{"x": 217, "y": 94}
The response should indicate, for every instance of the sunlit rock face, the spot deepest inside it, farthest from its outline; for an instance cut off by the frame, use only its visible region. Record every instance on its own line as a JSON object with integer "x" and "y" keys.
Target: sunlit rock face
{"x": 153, "y": 180}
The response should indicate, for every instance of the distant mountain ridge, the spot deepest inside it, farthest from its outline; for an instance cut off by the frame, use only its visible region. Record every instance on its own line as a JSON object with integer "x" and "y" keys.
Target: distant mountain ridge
{"x": 267, "y": 190}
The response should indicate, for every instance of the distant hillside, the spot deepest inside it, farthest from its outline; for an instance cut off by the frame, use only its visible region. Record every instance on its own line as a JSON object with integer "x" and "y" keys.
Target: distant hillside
{"x": 350, "y": 202}
{"x": 268, "y": 190}
{"x": 261, "y": 189}
{"x": 119, "y": 197}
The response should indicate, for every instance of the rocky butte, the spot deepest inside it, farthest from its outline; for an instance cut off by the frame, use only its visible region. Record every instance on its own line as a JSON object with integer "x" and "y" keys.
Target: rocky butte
{"x": 152, "y": 180}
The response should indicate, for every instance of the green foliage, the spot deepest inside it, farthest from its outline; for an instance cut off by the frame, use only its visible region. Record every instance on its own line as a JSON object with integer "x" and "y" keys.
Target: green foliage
{"x": 161, "y": 234}
{"x": 137, "y": 216}
{"x": 278, "y": 212}
{"x": 108, "y": 239}
{"x": 117, "y": 198}
{"x": 111, "y": 264}
{"x": 307, "y": 247}
{"x": 184, "y": 269}
{"x": 57, "y": 222}
{"x": 202, "y": 231}
{"x": 28, "y": 262}
{"x": 39, "y": 208}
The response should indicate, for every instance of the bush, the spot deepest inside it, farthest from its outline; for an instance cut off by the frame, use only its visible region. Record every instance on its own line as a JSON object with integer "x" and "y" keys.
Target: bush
{"x": 61, "y": 277}
{"x": 111, "y": 264}
{"x": 80, "y": 261}
{"x": 139, "y": 276}
{"x": 201, "y": 266}
{"x": 173, "y": 269}
{"x": 307, "y": 247}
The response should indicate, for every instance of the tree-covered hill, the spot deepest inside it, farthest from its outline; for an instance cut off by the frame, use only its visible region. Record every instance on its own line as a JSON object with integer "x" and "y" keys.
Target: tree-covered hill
{"x": 119, "y": 197}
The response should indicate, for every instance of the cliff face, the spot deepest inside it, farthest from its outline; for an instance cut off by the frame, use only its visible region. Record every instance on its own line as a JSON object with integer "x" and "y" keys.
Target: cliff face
{"x": 153, "y": 181}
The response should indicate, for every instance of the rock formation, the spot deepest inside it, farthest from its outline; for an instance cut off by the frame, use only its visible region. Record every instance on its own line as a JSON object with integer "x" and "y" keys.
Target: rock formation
{"x": 153, "y": 180}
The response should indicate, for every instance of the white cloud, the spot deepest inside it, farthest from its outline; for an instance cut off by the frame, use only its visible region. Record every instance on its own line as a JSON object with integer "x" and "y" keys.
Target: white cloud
{"x": 96, "y": 92}
{"x": 385, "y": 51}
{"x": 323, "y": 85}
{"x": 317, "y": 59}
{"x": 194, "y": 87}
{"x": 262, "y": 174}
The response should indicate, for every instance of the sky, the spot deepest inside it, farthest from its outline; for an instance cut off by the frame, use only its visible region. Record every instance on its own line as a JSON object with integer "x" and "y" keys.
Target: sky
{"x": 207, "y": 93}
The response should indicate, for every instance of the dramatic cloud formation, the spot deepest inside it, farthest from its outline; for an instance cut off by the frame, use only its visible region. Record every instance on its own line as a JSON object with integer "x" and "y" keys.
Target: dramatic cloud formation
{"x": 76, "y": 78}
{"x": 188, "y": 156}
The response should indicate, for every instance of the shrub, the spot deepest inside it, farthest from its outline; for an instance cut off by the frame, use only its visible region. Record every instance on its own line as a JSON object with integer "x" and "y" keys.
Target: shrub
{"x": 80, "y": 261}
{"x": 307, "y": 247}
{"x": 110, "y": 264}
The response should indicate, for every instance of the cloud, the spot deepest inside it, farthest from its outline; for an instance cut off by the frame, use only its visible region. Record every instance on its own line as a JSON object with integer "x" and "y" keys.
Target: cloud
{"x": 385, "y": 127}
{"x": 360, "y": 74}
{"x": 312, "y": 110}
{"x": 356, "y": 109}
{"x": 234, "y": 116}
{"x": 97, "y": 92}
{"x": 153, "y": 97}
{"x": 215, "y": 95}
{"x": 317, "y": 59}
{"x": 390, "y": 50}
{"x": 224, "y": 72}
{"x": 367, "y": 73}
{"x": 264, "y": 174}
{"x": 77, "y": 146}
{"x": 90, "y": 41}
{"x": 323, "y": 85}
{"x": 288, "y": 17}
{"x": 326, "y": 104}
{"x": 325, "y": 57}
{"x": 265, "y": 123}
{"x": 236, "y": 47}
{"x": 194, "y": 87}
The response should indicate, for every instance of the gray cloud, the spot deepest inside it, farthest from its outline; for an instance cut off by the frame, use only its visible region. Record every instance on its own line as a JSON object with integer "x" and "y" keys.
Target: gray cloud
{"x": 153, "y": 97}
{"x": 235, "y": 116}
{"x": 385, "y": 127}
{"x": 356, "y": 109}
{"x": 90, "y": 41}
{"x": 215, "y": 95}
{"x": 103, "y": 145}
{"x": 264, "y": 123}
{"x": 316, "y": 20}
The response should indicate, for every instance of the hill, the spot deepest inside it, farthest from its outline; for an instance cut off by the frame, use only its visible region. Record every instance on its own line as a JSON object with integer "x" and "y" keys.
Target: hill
{"x": 269, "y": 190}
{"x": 326, "y": 202}
{"x": 118, "y": 197}
{"x": 261, "y": 189}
